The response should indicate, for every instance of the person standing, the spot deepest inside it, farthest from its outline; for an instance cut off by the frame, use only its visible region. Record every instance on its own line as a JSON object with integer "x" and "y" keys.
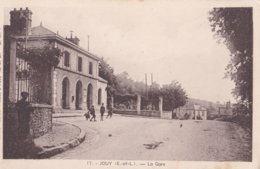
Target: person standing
{"x": 92, "y": 112}
{"x": 110, "y": 111}
{"x": 24, "y": 109}
{"x": 102, "y": 111}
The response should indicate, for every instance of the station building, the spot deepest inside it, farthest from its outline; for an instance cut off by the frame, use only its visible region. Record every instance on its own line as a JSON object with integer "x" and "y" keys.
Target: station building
{"x": 73, "y": 84}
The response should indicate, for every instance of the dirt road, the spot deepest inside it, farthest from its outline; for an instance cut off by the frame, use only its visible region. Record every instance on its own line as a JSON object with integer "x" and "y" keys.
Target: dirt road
{"x": 137, "y": 138}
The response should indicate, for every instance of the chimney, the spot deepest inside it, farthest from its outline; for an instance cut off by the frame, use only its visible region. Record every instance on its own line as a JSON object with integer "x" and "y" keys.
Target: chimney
{"x": 74, "y": 40}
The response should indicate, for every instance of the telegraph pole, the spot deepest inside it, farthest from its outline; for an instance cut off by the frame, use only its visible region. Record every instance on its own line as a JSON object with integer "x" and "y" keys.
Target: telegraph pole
{"x": 88, "y": 42}
{"x": 146, "y": 85}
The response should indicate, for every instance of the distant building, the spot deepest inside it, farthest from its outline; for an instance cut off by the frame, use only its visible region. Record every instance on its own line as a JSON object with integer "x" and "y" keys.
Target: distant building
{"x": 73, "y": 84}
{"x": 195, "y": 112}
{"x": 227, "y": 110}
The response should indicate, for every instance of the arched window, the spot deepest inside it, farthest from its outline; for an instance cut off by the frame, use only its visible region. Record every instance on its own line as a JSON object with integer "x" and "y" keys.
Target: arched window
{"x": 99, "y": 96}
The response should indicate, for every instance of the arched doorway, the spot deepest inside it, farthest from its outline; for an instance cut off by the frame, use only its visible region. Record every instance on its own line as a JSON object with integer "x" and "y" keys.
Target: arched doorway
{"x": 65, "y": 93}
{"x": 90, "y": 96}
{"x": 78, "y": 101}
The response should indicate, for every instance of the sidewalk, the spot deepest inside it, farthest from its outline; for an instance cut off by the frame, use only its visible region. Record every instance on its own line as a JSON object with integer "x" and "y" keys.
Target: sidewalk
{"x": 62, "y": 137}
{"x": 61, "y": 115}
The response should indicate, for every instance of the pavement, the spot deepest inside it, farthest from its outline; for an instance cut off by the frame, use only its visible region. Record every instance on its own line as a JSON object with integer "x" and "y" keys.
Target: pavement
{"x": 62, "y": 137}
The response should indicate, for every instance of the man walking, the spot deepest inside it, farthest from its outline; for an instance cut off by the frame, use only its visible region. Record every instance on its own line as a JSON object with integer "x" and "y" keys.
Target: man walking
{"x": 110, "y": 111}
{"x": 102, "y": 111}
{"x": 92, "y": 112}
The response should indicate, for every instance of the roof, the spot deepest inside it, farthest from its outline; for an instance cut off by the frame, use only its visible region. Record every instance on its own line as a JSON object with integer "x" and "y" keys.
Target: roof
{"x": 199, "y": 107}
{"x": 44, "y": 33}
{"x": 193, "y": 107}
{"x": 40, "y": 30}
{"x": 100, "y": 79}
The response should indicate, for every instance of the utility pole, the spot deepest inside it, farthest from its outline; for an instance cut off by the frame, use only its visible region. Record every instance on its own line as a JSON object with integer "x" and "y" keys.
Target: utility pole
{"x": 71, "y": 32}
{"x": 88, "y": 42}
{"x": 151, "y": 79}
{"x": 146, "y": 85}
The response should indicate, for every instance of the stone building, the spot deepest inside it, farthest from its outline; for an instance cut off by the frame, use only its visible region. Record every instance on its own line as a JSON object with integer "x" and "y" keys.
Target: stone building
{"x": 58, "y": 74}
{"x": 72, "y": 84}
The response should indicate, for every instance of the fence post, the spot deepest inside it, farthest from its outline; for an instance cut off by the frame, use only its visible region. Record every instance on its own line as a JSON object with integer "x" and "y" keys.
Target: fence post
{"x": 138, "y": 104}
{"x": 54, "y": 87}
{"x": 161, "y": 106}
{"x": 12, "y": 71}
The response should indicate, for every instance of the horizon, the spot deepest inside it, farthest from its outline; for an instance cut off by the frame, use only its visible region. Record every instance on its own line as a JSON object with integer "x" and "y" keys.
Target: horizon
{"x": 174, "y": 45}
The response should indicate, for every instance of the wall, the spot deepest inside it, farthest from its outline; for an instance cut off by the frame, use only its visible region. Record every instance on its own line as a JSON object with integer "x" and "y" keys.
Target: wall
{"x": 142, "y": 112}
{"x": 74, "y": 61}
{"x": 166, "y": 115}
{"x": 74, "y": 76}
{"x": 126, "y": 112}
{"x": 41, "y": 120}
{"x": 103, "y": 87}
{"x": 150, "y": 113}
{"x": 40, "y": 123}
{"x": 73, "y": 79}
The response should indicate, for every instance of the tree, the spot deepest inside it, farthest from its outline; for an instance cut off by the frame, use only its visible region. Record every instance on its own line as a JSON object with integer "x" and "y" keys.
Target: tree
{"x": 174, "y": 96}
{"x": 234, "y": 28}
{"x": 107, "y": 73}
{"x": 125, "y": 85}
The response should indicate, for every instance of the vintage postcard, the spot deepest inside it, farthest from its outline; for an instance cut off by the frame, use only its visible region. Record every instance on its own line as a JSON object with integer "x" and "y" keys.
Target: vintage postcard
{"x": 130, "y": 84}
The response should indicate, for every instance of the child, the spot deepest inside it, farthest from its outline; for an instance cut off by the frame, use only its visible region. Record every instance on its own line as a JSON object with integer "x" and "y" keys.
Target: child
{"x": 87, "y": 116}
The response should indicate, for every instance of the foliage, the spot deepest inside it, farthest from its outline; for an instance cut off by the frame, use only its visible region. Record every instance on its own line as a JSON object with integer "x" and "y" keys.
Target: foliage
{"x": 124, "y": 89}
{"x": 107, "y": 73}
{"x": 153, "y": 95}
{"x": 125, "y": 85}
{"x": 234, "y": 28}
{"x": 174, "y": 96}
{"x": 40, "y": 58}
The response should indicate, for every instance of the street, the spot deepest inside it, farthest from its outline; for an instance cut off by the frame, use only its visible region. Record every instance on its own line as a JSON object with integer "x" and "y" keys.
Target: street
{"x": 139, "y": 138}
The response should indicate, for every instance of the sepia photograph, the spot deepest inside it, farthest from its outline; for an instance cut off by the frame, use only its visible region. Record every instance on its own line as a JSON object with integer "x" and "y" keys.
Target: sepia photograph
{"x": 130, "y": 81}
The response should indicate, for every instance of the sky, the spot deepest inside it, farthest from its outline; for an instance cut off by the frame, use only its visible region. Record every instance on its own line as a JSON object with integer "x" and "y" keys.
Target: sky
{"x": 170, "y": 40}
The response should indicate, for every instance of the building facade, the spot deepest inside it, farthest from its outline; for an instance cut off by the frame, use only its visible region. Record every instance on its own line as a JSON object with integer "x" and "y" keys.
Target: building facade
{"x": 195, "y": 112}
{"x": 73, "y": 83}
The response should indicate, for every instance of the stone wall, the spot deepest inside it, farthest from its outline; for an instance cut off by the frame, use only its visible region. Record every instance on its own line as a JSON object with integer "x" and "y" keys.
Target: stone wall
{"x": 41, "y": 120}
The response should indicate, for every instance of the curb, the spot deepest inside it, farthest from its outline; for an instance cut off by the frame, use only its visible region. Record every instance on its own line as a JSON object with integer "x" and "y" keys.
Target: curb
{"x": 67, "y": 116}
{"x": 48, "y": 152}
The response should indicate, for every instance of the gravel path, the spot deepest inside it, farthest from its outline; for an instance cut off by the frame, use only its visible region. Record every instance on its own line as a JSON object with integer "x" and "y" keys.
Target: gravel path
{"x": 137, "y": 138}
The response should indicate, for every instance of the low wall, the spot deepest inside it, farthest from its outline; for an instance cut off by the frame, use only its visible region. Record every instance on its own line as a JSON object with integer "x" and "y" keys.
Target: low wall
{"x": 150, "y": 113}
{"x": 127, "y": 112}
{"x": 40, "y": 123}
{"x": 166, "y": 115}
{"x": 41, "y": 119}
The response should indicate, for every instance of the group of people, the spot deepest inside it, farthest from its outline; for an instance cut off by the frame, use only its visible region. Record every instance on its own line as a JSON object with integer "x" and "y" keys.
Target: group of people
{"x": 92, "y": 113}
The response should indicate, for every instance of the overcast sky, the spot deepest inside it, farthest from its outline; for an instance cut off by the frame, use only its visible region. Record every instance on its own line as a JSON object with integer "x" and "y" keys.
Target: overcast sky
{"x": 170, "y": 40}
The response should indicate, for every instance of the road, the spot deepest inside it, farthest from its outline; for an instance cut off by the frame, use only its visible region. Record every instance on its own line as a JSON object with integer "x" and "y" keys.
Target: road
{"x": 138, "y": 138}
